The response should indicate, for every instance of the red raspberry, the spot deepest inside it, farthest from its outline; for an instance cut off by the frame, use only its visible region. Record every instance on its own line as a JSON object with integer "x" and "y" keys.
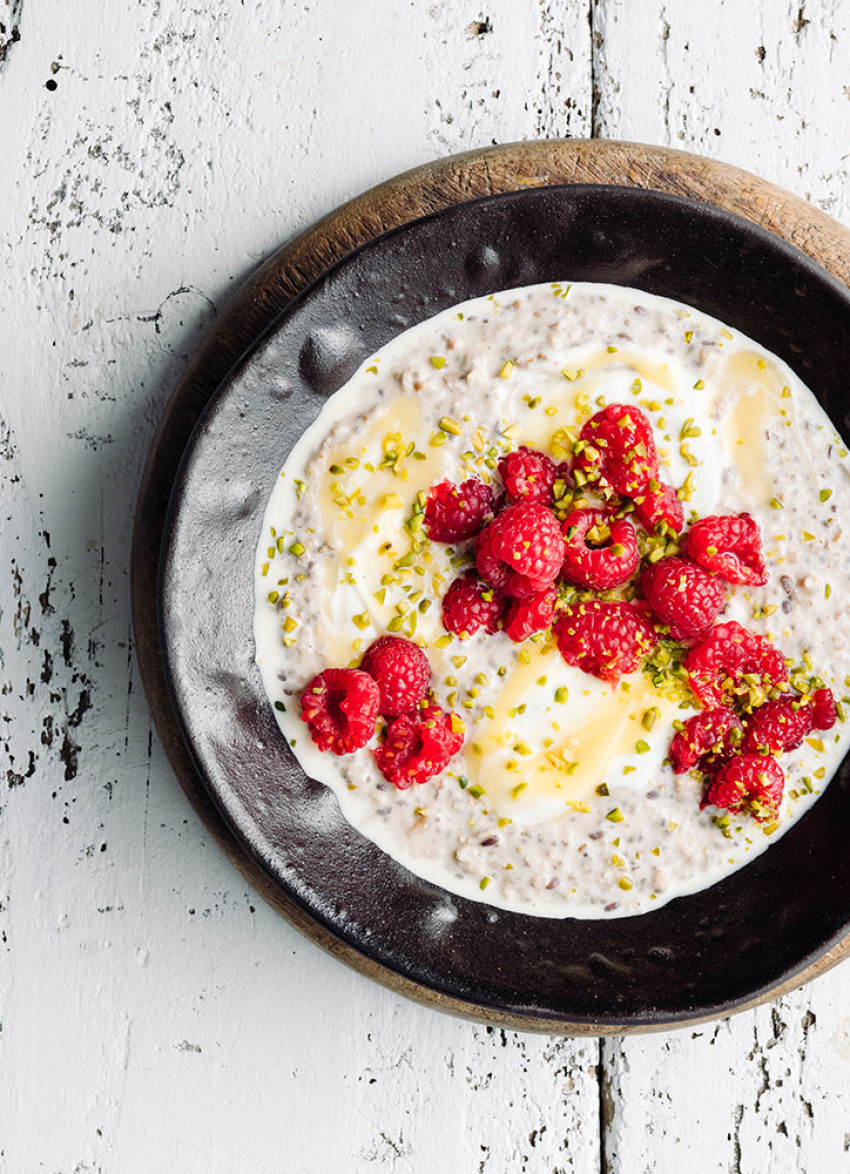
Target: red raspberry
{"x": 469, "y": 605}
{"x": 749, "y": 784}
{"x": 340, "y": 707}
{"x": 781, "y": 725}
{"x": 605, "y": 639}
{"x": 528, "y": 475}
{"x": 682, "y": 595}
{"x": 454, "y": 513}
{"x": 716, "y": 667}
{"x": 655, "y": 506}
{"x": 730, "y": 546}
{"x": 824, "y": 710}
{"x": 620, "y": 450}
{"x": 611, "y": 559}
{"x": 418, "y": 746}
{"x": 706, "y": 737}
{"x": 521, "y": 551}
{"x": 400, "y": 670}
{"x": 527, "y": 616}
{"x": 777, "y": 726}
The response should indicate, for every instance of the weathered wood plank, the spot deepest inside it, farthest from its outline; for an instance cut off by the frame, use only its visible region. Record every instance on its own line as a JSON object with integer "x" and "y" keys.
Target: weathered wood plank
{"x": 142, "y": 982}
{"x": 768, "y": 1089}
{"x": 764, "y": 86}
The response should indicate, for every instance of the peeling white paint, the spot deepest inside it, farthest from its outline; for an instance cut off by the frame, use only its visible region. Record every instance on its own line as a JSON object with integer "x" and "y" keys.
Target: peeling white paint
{"x": 155, "y": 1014}
{"x": 10, "y": 27}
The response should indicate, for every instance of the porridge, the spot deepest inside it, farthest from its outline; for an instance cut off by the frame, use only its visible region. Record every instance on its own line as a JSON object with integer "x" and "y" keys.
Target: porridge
{"x": 599, "y": 536}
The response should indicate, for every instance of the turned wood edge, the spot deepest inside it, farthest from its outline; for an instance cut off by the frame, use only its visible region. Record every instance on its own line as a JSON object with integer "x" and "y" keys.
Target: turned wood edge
{"x": 428, "y": 188}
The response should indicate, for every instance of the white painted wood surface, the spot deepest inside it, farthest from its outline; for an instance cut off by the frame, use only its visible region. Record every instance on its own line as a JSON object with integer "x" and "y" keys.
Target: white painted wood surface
{"x": 155, "y": 1014}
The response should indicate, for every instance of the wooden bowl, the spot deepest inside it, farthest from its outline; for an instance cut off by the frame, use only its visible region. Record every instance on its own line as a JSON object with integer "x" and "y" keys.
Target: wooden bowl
{"x": 698, "y": 956}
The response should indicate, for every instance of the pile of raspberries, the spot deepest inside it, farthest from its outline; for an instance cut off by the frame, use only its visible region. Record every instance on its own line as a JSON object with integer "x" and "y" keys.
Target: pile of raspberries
{"x": 536, "y": 569}
{"x": 341, "y": 708}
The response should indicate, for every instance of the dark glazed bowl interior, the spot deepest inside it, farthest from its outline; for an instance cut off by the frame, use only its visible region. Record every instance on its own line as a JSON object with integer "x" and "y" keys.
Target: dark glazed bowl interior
{"x": 698, "y": 955}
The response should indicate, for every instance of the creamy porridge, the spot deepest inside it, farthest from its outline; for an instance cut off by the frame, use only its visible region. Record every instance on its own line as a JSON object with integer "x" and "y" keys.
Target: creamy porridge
{"x": 562, "y": 800}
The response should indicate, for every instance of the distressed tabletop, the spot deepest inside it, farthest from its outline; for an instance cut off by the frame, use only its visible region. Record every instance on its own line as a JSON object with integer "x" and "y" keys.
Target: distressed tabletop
{"x": 155, "y": 1013}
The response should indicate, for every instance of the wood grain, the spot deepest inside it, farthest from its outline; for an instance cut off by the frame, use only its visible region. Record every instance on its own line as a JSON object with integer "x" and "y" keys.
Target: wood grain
{"x": 290, "y": 270}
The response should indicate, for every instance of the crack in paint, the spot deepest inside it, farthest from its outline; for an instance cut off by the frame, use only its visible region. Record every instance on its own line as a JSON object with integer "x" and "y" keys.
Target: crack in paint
{"x": 10, "y": 28}
{"x": 66, "y": 700}
{"x": 597, "y": 44}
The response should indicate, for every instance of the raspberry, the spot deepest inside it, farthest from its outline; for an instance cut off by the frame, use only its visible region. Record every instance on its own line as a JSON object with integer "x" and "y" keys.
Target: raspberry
{"x": 777, "y": 726}
{"x": 682, "y": 595}
{"x": 400, "y": 670}
{"x": 528, "y": 475}
{"x": 521, "y": 551}
{"x": 719, "y": 666}
{"x": 730, "y": 546}
{"x": 527, "y": 616}
{"x": 418, "y": 746}
{"x": 611, "y": 559}
{"x": 340, "y": 707}
{"x": 655, "y": 506}
{"x": 605, "y": 639}
{"x": 749, "y": 784}
{"x": 454, "y": 513}
{"x": 781, "y": 725}
{"x": 469, "y": 605}
{"x": 706, "y": 737}
{"x": 619, "y": 450}
{"x": 824, "y": 710}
